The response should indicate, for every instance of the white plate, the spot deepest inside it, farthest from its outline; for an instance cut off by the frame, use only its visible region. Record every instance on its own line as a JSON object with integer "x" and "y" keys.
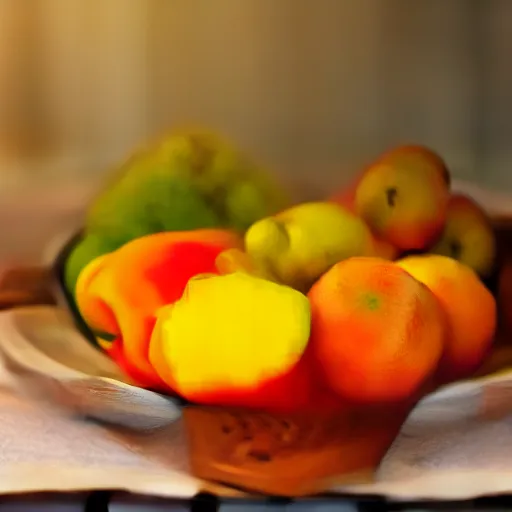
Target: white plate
{"x": 53, "y": 361}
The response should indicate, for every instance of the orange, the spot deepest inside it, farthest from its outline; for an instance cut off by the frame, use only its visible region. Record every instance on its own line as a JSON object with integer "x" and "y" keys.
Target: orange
{"x": 470, "y": 310}
{"x": 377, "y": 333}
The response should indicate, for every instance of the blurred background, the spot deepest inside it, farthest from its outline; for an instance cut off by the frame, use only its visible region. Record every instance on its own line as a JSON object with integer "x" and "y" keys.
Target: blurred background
{"x": 313, "y": 88}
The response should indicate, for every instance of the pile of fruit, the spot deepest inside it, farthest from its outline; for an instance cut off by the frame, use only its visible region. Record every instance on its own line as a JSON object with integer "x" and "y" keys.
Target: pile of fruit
{"x": 374, "y": 295}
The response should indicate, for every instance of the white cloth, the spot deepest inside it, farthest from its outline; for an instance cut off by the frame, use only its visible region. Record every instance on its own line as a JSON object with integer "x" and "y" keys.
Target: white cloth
{"x": 456, "y": 444}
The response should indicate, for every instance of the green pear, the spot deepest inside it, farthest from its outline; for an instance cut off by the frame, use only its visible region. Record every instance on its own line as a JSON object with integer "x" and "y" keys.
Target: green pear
{"x": 184, "y": 181}
{"x": 298, "y": 245}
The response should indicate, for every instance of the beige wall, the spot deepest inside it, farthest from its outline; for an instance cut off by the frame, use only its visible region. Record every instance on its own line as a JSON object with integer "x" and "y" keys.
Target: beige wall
{"x": 314, "y": 87}
{"x": 319, "y": 86}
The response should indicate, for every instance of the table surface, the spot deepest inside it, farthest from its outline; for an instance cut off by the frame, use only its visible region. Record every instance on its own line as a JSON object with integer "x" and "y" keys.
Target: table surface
{"x": 121, "y": 502}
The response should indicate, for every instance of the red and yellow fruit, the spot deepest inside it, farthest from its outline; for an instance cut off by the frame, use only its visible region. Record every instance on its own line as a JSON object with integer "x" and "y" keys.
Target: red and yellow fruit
{"x": 403, "y": 197}
{"x": 119, "y": 293}
{"x": 236, "y": 340}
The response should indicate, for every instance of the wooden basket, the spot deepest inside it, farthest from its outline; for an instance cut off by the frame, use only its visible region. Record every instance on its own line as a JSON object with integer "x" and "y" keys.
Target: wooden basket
{"x": 289, "y": 455}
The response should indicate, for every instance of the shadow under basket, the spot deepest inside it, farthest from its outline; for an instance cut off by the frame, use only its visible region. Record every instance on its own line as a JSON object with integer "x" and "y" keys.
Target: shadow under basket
{"x": 289, "y": 455}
